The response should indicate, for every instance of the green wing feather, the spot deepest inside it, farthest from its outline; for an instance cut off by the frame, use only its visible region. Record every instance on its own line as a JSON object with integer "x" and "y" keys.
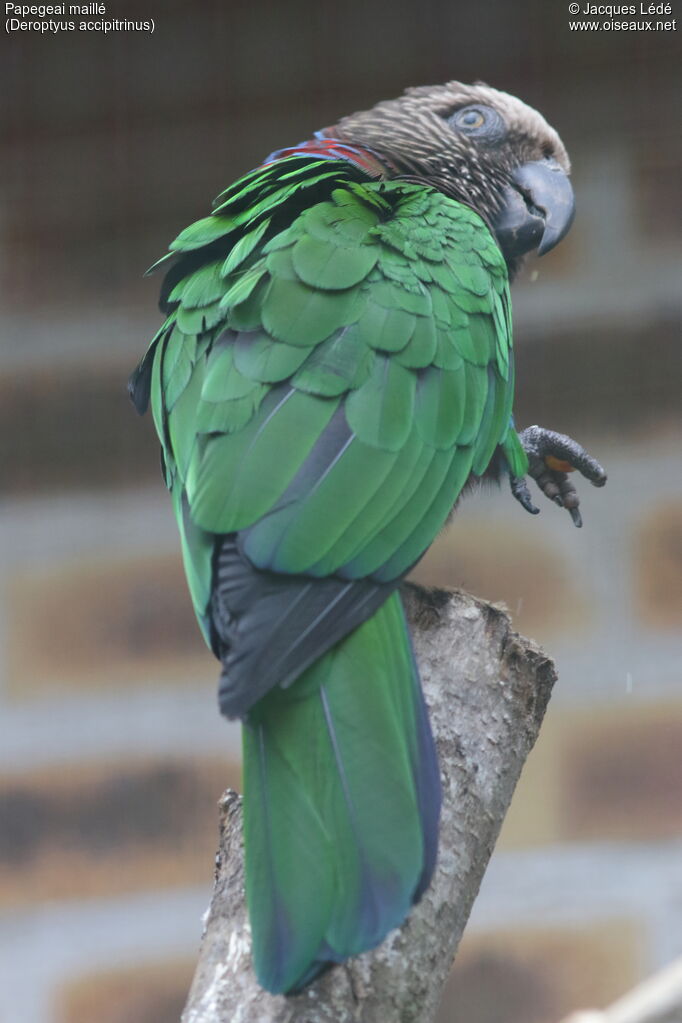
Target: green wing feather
{"x": 387, "y": 301}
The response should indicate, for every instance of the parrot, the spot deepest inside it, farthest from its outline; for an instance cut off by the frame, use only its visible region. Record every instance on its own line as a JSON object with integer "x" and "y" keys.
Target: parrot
{"x": 335, "y": 369}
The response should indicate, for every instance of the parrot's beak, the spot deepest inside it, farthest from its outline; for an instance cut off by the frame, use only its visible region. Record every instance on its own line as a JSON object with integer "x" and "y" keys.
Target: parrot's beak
{"x": 538, "y": 210}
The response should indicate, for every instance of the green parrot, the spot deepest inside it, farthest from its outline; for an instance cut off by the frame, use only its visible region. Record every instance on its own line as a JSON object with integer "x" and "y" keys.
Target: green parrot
{"x": 334, "y": 371}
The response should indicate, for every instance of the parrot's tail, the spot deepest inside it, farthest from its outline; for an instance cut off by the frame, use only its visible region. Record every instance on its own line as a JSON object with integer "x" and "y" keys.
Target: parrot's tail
{"x": 341, "y": 807}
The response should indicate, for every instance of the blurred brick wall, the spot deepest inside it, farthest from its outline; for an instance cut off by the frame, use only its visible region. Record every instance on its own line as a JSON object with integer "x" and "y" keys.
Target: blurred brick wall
{"x": 112, "y": 754}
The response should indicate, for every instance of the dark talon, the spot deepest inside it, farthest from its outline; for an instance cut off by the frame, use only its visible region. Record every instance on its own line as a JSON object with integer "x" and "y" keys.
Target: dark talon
{"x": 519, "y": 489}
{"x": 576, "y": 516}
{"x": 568, "y": 492}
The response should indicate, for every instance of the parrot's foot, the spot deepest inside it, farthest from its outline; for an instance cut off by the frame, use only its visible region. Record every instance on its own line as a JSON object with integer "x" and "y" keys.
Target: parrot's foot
{"x": 551, "y": 456}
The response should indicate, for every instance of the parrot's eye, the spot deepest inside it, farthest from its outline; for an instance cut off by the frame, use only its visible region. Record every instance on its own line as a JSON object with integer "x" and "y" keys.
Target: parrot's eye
{"x": 471, "y": 119}
{"x": 478, "y": 122}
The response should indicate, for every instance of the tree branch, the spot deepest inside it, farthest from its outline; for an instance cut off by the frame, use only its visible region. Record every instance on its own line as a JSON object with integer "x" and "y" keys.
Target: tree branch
{"x": 487, "y": 690}
{"x": 656, "y": 1000}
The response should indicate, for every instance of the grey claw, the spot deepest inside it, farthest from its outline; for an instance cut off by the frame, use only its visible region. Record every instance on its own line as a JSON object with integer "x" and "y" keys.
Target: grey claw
{"x": 519, "y": 489}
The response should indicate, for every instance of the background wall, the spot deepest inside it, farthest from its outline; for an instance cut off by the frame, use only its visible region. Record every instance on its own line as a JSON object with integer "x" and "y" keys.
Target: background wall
{"x": 112, "y": 754}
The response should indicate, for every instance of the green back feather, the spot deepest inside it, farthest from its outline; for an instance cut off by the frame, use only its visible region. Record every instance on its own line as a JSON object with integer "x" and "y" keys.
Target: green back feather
{"x": 387, "y": 300}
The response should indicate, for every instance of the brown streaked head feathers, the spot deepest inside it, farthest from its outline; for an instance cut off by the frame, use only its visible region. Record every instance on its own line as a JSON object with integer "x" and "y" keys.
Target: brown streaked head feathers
{"x": 413, "y": 134}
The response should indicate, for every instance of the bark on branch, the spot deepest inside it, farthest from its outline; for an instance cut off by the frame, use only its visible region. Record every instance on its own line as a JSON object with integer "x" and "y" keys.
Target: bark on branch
{"x": 487, "y": 690}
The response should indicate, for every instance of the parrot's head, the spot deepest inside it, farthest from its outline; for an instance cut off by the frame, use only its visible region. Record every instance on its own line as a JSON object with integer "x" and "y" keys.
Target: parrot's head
{"x": 484, "y": 148}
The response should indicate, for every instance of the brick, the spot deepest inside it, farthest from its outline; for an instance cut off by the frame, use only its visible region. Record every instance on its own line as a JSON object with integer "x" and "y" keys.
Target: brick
{"x": 102, "y": 624}
{"x": 596, "y": 381}
{"x": 148, "y": 994}
{"x": 539, "y": 975}
{"x": 621, "y": 774}
{"x": 659, "y": 205}
{"x": 107, "y": 829}
{"x": 658, "y": 567}
{"x": 78, "y": 429}
{"x": 602, "y": 774}
{"x": 534, "y": 815}
{"x": 511, "y": 565}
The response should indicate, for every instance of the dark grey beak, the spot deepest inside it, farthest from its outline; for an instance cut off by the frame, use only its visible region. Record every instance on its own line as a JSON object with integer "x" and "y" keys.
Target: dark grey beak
{"x": 538, "y": 210}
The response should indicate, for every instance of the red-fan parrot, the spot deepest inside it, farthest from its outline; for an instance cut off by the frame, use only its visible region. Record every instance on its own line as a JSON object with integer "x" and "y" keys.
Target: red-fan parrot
{"x": 335, "y": 369}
